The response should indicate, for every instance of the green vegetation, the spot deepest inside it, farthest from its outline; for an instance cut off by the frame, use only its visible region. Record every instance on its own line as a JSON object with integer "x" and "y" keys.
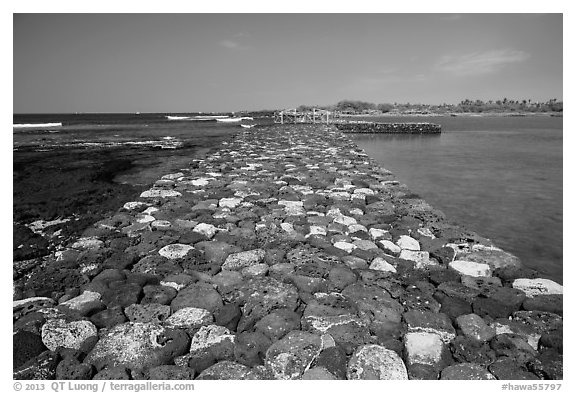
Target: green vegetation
{"x": 504, "y": 105}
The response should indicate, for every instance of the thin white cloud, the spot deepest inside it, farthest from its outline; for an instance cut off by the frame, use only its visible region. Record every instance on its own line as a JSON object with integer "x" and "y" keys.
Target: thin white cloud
{"x": 230, "y": 44}
{"x": 478, "y": 63}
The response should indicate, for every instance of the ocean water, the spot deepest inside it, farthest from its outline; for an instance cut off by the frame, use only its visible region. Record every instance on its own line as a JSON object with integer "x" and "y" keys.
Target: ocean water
{"x": 498, "y": 176}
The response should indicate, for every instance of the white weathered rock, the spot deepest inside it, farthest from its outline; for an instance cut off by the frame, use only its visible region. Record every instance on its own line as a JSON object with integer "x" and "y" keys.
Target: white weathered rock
{"x": 144, "y": 218}
{"x": 345, "y": 220}
{"x": 426, "y": 232}
{"x": 161, "y": 224}
{"x": 175, "y": 251}
{"x": 287, "y": 227}
{"x": 424, "y": 348}
{"x": 243, "y": 259}
{"x": 207, "y": 230}
{"x": 257, "y": 270}
{"x": 59, "y": 333}
{"x": 376, "y": 362}
{"x": 348, "y": 247}
{"x": 293, "y": 208}
{"x": 80, "y": 302}
{"x": 364, "y": 191}
{"x": 200, "y": 182}
{"x": 173, "y": 176}
{"x": 230, "y": 203}
{"x": 134, "y": 205}
{"x": 33, "y": 301}
{"x": 421, "y": 258}
{"x": 408, "y": 243}
{"x": 189, "y": 318}
{"x": 159, "y": 193}
{"x": 538, "y": 286}
{"x": 87, "y": 243}
{"x": 387, "y": 245}
{"x": 470, "y": 268}
{"x": 356, "y": 211}
{"x": 382, "y": 265}
{"x": 365, "y": 245}
{"x": 317, "y": 230}
{"x": 357, "y": 228}
{"x": 210, "y": 335}
{"x": 376, "y": 234}
{"x": 151, "y": 210}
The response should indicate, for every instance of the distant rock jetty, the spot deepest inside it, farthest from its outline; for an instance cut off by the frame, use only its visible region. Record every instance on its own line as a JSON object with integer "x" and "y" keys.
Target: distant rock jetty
{"x": 389, "y": 128}
{"x": 287, "y": 254}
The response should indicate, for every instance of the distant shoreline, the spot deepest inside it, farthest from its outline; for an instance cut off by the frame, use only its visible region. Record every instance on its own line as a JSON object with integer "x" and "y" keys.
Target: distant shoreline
{"x": 461, "y": 114}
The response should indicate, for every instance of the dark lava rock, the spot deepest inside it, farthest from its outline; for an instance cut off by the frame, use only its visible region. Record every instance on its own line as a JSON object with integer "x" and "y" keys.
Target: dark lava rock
{"x": 549, "y": 303}
{"x": 492, "y": 308}
{"x": 278, "y": 323}
{"x": 260, "y": 296}
{"x": 39, "y": 368}
{"x": 199, "y": 295}
{"x": 122, "y": 295}
{"x": 26, "y": 345}
{"x": 108, "y": 318}
{"x": 422, "y": 372}
{"x": 341, "y": 276}
{"x": 486, "y": 285}
{"x": 113, "y": 373}
{"x": 437, "y": 277}
{"x": 151, "y": 312}
{"x": 509, "y": 369}
{"x": 334, "y": 360}
{"x": 548, "y": 365}
{"x": 224, "y": 370}
{"x": 72, "y": 369}
{"x": 46, "y": 281}
{"x": 373, "y": 303}
{"x": 120, "y": 260}
{"x": 160, "y": 294}
{"x": 540, "y": 321}
{"x": 466, "y": 371}
{"x": 511, "y": 297}
{"x": 513, "y": 346}
{"x": 469, "y": 350}
{"x": 552, "y": 339}
{"x": 228, "y": 316}
{"x": 31, "y": 322}
{"x": 27, "y": 244}
{"x": 454, "y": 307}
{"x": 415, "y": 299}
{"x": 171, "y": 372}
{"x": 458, "y": 290}
{"x": 250, "y": 348}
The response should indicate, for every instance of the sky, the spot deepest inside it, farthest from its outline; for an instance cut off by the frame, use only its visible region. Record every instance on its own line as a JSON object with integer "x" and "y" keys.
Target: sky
{"x": 231, "y": 62}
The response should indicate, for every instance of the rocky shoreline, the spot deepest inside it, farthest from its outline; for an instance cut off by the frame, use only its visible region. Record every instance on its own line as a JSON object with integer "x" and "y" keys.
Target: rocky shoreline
{"x": 389, "y": 128}
{"x": 287, "y": 254}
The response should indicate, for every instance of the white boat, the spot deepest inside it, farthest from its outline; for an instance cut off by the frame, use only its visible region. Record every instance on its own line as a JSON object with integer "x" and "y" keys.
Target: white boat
{"x": 234, "y": 119}
{"x": 247, "y": 125}
{"x": 177, "y": 117}
{"x": 39, "y": 125}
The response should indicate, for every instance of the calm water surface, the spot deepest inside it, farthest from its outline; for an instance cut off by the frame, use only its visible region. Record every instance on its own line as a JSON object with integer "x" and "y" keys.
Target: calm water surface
{"x": 498, "y": 176}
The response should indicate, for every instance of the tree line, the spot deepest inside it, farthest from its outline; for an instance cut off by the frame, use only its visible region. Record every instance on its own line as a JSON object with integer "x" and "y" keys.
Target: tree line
{"x": 467, "y": 105}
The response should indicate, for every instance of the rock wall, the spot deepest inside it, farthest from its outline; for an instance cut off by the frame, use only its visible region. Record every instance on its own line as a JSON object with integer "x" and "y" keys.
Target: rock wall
{"x": 390, "y": 128}
{"x": 287, "y": 254}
